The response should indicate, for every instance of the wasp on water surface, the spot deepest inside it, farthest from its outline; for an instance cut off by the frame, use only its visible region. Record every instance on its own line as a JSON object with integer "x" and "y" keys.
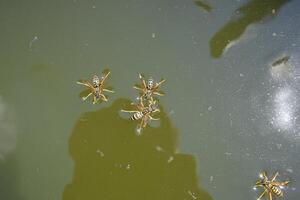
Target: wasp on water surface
{"x": 96, "y": 87}
{"x": 271, "y": 187}
{"x": 149, "y": 87}
{"x": 143, "y": 113}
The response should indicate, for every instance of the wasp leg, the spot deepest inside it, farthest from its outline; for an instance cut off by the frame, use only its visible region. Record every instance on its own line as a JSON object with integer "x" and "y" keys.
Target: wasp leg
{"x": 262, "y": 194}
{"x": 104, "y": 78}
{"x": 275, "y": 176}
{"x": 83, "y": 82}
{"x": 143, "y": 123}
{"x": 87, "y": 96}
{"x": 158, "y": 93}
{"x": 270, "y": 196}
{"x": 107, "y": 90}
{"x": 152, "y": 118}
{"x": 137, "y": 87}
{"x": 159, "y": 83}
{"x": 143, "y": 80}
{"x": 130, "y": 111}
{"x": 95, "y": 100}
{"x": 103, "y": 97}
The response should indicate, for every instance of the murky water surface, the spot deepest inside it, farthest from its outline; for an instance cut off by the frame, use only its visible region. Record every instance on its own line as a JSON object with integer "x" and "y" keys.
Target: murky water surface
{"x": 231, "y": 107}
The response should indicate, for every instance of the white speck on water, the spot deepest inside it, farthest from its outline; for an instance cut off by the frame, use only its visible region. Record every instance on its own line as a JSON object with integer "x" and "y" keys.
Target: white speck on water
{"x": 128, "y": 167}
{"x": 100, "y": 152}
{"x": 153, "y": 35}
{"x": 209, "y": 108}
{"x": 290, "y": 170}
{"x": 159, "y": 148}
{"x": 273, "y": 11}
{"x": 171, "y": 158}
{"x": 274, "y": 34}
{"x": 192, "y": 194}
{"x": 242, "y": 75}
{"x": 228, "y": 153}
{"x": 172, "y": 112}
{"x": 211, "y": 178}
{"x": 278, "y": 146}
{"x": 35, "y": 38}
{"x": 93, "y": 6}
{"x": 139, "y": 131}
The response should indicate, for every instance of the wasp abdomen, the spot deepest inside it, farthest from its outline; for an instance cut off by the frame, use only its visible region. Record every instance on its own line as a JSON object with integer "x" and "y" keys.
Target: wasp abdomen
{"x": 136, "y": 116}
{"x": 276, "y": 190}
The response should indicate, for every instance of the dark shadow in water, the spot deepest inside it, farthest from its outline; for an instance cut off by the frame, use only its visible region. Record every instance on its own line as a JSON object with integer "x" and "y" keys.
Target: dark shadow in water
{"x": 113, "y": 163}
{"x": 203, "y": 5}
{"x": 252, "y": 12}
{"x": 9, "y": 179}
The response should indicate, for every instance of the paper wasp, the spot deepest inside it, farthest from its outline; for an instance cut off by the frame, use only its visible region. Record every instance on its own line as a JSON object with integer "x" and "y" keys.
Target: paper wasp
{"x": 143, "y": 113}
{"x": 149, "y": 87}
{"x": 271, "y": 187}
{"x": 96, "y": 87}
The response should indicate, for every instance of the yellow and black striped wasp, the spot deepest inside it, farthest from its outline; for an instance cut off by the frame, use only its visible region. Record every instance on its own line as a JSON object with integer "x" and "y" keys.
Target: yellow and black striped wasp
{"x": 143, "y": 113}
{"x": 96, "y": 87}
{"x": 271, "y": 187}
{"x": 149, "y": 88}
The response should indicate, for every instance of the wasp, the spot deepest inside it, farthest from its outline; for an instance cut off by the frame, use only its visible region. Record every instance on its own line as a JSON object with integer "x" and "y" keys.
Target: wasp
{"x": 143, "y": 113}
{"x": 96, "y": 87}
{"x": 271, "y": 187}
{"x": 149, "y": 87}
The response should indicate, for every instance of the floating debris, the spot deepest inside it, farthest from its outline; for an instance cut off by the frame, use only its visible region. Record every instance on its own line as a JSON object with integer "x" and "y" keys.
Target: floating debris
{"x": 203, "y": 5}
{"x": 100, "y": 152}
{"x": 35, "y": 38}
{"x": 192, "y": 194}
{"x": 282, "y": 60}
{"x": 171, "y": 158}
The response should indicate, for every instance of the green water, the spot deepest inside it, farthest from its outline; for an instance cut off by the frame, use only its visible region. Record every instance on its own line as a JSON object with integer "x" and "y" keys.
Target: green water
{"x": 226, "y": 116}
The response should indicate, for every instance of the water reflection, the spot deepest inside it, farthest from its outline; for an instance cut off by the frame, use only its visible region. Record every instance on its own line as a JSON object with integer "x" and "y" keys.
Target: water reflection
{"x": 111, "y": 162}
{"x": 9, "y": 179}
{"x": 285, "y": 96}
{"x": 8, "y": 132}
{"x": 252, "y": 12}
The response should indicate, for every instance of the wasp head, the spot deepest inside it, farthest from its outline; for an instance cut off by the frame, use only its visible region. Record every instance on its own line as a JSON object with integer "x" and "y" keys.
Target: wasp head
{"x": 96, "y": 81}
{"x": 150, "y": 83}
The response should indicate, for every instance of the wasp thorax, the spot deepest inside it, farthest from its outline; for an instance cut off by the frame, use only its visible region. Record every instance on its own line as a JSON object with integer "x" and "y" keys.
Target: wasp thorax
{"x": 150, "y": 83}
{"x": 96, "y": 81}
{"x": 153, "y": 107}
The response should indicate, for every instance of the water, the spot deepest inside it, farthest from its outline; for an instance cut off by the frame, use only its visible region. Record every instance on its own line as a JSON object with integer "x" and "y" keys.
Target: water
{"x": 227, "y": 114}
